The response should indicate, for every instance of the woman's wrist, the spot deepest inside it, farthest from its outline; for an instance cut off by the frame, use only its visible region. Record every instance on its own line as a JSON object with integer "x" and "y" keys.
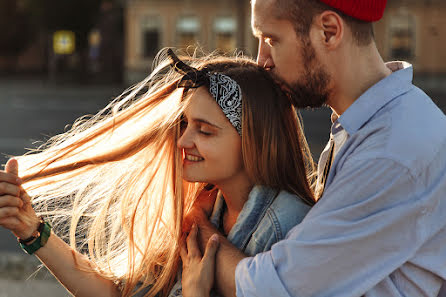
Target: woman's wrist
{"x": 37, "y": 240}
{"x": 33, "y": 227}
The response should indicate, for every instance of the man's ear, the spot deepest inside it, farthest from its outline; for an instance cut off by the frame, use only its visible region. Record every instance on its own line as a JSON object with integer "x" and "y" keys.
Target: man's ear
{"x": 331, "y": 28}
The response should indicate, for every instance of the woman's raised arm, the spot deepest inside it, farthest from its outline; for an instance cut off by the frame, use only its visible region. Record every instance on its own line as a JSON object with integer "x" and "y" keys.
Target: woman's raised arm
{"x": 18, "y": 216}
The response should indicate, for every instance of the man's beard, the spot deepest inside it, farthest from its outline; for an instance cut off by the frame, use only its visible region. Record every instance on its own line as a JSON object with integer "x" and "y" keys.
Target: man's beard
{"x": 312, "y": 89}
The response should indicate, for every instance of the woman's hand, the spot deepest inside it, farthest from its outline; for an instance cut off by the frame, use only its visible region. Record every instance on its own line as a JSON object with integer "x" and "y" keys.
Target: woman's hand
{"x": 16, "y": 212}
{"x": 201, "y": 209}
{"x": 198, "y": 272}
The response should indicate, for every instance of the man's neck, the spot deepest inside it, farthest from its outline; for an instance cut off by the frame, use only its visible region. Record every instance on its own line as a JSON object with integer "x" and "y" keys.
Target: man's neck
{"x": 360, "y": 70}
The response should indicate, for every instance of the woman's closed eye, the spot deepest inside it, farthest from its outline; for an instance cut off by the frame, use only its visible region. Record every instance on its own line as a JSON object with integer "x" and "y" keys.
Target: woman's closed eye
{"x": 202, "y": 129}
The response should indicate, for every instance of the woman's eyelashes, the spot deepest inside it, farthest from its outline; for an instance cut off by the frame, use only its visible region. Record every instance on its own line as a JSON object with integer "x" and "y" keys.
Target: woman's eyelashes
{"x": 199, "y": 127}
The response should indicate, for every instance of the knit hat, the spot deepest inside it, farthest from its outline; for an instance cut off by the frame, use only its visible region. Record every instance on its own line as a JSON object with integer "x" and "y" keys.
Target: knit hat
{"x": 365, "y": 10}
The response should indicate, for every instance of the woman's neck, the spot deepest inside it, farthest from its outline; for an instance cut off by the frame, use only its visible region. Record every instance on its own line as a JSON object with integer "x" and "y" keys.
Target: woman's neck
{"x": 236, "y": 193}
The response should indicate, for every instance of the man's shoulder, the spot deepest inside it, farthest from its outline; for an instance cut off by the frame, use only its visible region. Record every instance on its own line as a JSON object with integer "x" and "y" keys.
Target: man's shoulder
{"x": 410, "y": 130}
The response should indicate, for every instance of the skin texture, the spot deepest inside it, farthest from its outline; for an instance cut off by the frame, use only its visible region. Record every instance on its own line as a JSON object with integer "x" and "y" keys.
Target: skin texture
{"x": 208, "y": 135}
{"x": 198, "y": 270}
{"x": 291, "y": 57}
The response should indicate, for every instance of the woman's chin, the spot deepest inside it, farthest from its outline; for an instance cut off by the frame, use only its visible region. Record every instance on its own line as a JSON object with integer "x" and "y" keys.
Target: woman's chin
{"x": 193, "y": 179}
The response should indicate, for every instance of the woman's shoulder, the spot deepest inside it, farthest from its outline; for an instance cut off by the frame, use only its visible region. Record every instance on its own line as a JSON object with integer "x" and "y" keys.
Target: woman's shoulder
{"x": 286, "y": 211}
{"x": 289, "y": 206}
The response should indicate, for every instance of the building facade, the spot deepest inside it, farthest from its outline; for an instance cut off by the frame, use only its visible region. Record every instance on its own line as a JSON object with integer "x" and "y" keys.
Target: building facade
{"x": 411, "y": 30}
{"x": 151, "y": 25}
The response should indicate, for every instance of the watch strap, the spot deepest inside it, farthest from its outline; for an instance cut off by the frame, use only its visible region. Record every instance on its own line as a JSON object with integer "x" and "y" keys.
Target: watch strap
{"x": 40, "y": 241}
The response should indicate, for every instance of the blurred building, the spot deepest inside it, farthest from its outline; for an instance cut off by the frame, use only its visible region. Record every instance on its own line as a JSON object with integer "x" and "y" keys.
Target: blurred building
{"x": 211, "y": 25}
{"x": 411, "y": 30}
{"x": 415, "y": 31}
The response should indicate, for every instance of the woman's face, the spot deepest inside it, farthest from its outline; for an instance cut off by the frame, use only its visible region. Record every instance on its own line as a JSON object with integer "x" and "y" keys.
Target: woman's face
{"x": 212, "y": 149}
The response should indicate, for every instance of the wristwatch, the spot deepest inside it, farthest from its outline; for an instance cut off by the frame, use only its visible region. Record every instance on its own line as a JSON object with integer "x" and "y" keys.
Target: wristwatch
{"x": 40, "y": 238}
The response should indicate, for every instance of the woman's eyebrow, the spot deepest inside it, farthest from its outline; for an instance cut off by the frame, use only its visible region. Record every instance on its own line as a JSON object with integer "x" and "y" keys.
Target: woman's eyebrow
{"x": 205, "y": 122}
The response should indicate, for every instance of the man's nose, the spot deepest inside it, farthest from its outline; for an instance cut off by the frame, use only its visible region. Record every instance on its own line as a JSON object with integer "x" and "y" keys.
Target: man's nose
{"x": 264, "y": 58}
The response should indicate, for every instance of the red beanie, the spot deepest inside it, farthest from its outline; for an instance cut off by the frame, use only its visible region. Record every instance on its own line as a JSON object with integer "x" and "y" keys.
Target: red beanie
{"x": 365, "y": 10}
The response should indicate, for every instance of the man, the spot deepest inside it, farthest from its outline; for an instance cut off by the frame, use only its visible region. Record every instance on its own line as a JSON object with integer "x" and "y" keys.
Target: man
{"x": 378, "y": 228}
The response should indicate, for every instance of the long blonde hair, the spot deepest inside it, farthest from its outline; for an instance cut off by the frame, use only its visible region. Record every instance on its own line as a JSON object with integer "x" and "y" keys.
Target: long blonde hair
{"x": 113, "y": 184}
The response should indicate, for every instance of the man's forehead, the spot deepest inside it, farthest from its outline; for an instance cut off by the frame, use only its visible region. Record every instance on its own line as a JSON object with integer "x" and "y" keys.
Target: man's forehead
{"x": 263, "y": 13}
{"x": 263, "y": 8}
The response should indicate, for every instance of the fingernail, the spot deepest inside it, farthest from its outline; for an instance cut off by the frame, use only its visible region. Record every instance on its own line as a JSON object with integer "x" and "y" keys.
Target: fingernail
{"x": 214, "y": 237}
{"x": 18, "y": 180}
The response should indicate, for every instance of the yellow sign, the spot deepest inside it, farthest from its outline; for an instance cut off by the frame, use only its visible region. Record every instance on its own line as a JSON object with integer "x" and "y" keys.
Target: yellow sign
{"x": 64, "y": 42}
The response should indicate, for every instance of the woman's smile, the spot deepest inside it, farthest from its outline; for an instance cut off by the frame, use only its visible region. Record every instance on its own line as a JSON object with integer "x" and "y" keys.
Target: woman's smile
{"x": 192, "y": 158}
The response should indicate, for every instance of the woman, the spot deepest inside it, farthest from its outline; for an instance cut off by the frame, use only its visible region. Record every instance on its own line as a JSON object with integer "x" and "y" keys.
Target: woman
{"x": 124, "y": 180}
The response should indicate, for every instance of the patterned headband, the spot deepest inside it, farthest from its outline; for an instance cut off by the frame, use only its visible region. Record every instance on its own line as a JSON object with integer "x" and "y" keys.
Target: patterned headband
{"x": 224, "y": 89}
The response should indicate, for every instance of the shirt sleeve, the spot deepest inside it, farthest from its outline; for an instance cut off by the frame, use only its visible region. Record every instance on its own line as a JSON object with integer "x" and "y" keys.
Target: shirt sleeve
{"x": 365, "y": 226}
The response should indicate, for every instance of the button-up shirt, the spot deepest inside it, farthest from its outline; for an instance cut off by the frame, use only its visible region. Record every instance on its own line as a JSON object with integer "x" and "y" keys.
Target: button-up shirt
{"x": 379, "y": 228}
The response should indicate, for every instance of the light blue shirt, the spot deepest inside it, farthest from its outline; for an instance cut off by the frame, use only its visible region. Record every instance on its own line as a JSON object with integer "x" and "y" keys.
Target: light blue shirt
{"x": 379, "y": 229}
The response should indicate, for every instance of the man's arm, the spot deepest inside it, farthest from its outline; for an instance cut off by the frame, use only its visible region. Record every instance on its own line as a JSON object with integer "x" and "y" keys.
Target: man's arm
{"x": 372, "y": 219}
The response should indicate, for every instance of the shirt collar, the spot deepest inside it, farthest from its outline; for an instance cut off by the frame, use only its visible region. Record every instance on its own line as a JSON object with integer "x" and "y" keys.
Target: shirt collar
{"x": 394, "y": 85}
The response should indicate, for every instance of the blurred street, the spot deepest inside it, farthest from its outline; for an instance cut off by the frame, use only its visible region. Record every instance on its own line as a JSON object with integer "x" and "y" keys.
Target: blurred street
{"x": 32, "y": 110}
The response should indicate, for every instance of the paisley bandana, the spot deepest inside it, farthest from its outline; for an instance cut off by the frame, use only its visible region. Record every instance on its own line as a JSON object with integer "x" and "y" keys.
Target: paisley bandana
{"x": 224, "y": 89}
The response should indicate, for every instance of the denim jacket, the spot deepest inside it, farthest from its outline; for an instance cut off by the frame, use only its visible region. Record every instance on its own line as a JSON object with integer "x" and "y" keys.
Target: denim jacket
{"x": 265, "y": 219}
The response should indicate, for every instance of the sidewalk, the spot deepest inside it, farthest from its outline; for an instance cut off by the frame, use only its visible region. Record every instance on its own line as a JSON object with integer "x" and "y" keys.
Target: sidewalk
{"x": 35, "y": 288}
{"x": 20, "y": 276}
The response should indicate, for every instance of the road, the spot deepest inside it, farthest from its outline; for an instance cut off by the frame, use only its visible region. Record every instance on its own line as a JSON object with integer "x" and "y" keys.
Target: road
{"x": 31, "y": 111}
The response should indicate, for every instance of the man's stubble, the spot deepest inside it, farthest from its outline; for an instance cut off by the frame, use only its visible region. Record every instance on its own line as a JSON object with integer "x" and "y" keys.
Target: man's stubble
{"x": 312, "y": 89}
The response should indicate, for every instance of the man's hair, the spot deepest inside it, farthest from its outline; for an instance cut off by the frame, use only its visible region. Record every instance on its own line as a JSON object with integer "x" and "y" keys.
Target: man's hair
{"x": 302, "y": 12}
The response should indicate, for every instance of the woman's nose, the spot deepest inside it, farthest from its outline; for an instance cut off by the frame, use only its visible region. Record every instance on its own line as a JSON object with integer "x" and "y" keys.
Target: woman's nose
{"x": 185, "y": 140}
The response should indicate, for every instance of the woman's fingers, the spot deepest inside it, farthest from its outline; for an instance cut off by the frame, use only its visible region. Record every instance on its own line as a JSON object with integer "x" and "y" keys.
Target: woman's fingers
{"x": 10, "y": 178}
{"x": 8, "y": 200}
{"x": 10, "y": 222}
{"x": 9, "y": 189}
{"x": 25, "y": 197}
{"x": 192, "y": 246}
{"x": 211, "y": 250}
{"x": 8, "y": 211}
{"x": 12, "y": 167}
{"x": 183, "y": 249}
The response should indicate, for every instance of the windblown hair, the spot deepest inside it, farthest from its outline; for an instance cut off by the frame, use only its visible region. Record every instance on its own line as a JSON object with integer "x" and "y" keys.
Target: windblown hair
{"x": 113, "y": 183}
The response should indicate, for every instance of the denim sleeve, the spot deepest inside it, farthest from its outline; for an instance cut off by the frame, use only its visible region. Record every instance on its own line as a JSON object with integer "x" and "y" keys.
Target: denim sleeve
{"x": 347, "y": 243}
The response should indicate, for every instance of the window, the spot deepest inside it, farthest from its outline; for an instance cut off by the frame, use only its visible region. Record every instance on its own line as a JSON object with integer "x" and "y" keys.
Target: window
{"x": 402, "y": 36}
{"x": 224, "y": 30}
{"x": 151, "y": 36}
{"x": 188, "y": 28}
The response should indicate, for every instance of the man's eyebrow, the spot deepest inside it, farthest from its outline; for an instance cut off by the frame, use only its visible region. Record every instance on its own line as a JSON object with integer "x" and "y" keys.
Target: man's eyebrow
{"x": 203, "y": 121}
{"x": 255, "y": 31}
{"x": 261, "y": 33}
